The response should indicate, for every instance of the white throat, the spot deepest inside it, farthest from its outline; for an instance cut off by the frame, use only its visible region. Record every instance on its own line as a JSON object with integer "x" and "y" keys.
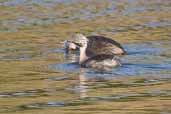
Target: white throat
{"x": 83, "y": 56}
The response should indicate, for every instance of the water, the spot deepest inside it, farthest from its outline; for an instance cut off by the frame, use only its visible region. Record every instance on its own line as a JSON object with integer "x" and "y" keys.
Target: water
{"x": 37, "y": 76}
{"x": 145, "y": 58}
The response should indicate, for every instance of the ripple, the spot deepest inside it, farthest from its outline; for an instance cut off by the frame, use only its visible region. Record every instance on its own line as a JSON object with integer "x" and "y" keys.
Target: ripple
{"x": 59, "y": 78}
{"x": 143, "y": 9}
{"x": 57, "y": 51}
{"x": 28, "y": 93}
{"x": 15, "y": 50}
{"x": 17, "y": 94}
{"x": 139, "y": 27}
{"x": 42, "y": 105}
{"x": 111, "y": 98}
{"x": 124, "y": 97}
{"x": 142, "y": 69}
{"x": 53, "y": 104}
{"x": 148, "y": 60}
{"x": 46, "y": 3}
{"x": 157, "y": 24}
{"x": 128, "y": 96}
{"x": 20, "y": 57}
{"x": 67, "y": 67}
{"x": 51, "y": 18}
{"x": 159, "y": 93}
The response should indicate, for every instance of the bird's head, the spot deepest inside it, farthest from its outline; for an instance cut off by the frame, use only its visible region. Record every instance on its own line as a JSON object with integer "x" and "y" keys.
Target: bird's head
{"x": 80, "y": 40}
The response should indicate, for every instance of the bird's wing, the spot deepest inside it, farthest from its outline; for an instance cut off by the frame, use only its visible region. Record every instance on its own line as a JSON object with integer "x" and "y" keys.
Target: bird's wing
{"x": 102, "y": 45}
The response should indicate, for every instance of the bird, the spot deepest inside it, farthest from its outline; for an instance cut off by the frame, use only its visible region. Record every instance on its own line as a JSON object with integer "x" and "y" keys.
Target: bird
{"x": 97, "y": 45}
{"x": 97, "y": 51}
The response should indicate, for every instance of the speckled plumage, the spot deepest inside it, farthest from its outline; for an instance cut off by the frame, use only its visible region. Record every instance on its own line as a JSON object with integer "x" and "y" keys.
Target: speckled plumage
{"x": 97, "y": 45}
{"x": 103, "y": 45}
{"x": 101, "y": 61}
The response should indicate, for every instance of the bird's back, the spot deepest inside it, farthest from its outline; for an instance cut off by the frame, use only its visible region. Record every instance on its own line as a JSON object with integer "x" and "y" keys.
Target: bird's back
{"x": 103, "y": 45}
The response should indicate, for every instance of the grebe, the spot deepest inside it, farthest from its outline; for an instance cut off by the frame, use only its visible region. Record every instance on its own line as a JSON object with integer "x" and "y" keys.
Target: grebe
{"x": 92, "y": 58}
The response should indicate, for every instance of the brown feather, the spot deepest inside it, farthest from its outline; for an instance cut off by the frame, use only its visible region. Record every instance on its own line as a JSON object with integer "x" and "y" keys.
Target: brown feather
{"x": 103, "y": 45}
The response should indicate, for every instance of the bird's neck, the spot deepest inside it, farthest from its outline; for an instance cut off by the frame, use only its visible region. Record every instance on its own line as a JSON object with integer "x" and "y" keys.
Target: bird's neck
{"x": 83, "y": 56}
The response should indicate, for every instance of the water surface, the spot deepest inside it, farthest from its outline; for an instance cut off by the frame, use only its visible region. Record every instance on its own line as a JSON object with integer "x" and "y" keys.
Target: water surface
{"x": 37, "y": 76}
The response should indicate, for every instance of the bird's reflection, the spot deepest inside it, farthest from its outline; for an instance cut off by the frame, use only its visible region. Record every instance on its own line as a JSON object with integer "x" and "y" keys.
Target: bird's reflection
{"x": 86, "y": 81}
{"x": 83, "y": 85}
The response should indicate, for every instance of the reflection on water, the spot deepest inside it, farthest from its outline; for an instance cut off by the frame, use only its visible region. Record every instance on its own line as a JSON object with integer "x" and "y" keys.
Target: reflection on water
{"x": 42, "y": 105}
{"x": 15, "y": 57}
{"x": 142, "y": 59}
{"x": 116, "y": 98}
{"x": 142, "y": 9}
{"x": 67, "y": 67}
{"x": 78, "y": 13}
{"x": 37, "y": 76}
